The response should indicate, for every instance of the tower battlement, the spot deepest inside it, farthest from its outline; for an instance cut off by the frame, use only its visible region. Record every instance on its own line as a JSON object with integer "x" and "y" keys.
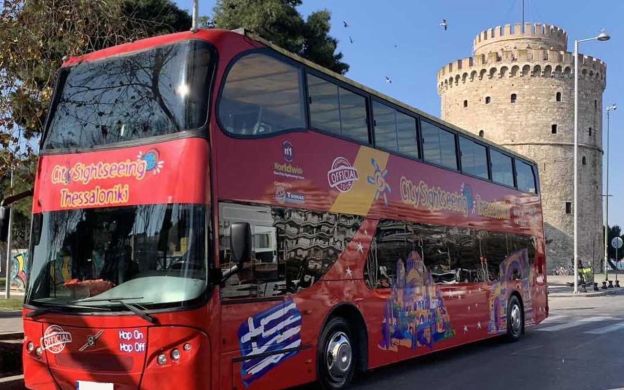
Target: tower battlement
{"x": 519, "y": 63}
{"x": 510, "y": 36}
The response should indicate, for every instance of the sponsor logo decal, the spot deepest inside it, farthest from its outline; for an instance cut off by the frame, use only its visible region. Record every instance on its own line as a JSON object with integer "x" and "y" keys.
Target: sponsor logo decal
{"x": 288, "y": 151}
{"x": 275, "y": 329}
{"x": 91, "y": 340}
{"x": 378, "y": 179}
{"x": 286, "y": 169}
{"x": 342, "y": 175}
{"x": 54, "y": 339}
{"x": 283, "y": 195}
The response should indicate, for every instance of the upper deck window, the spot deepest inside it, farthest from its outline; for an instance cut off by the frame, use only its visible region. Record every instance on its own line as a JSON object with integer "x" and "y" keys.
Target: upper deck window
{"x": 438, "y": 146}
{"x": 502, "y": 169}
{"x": 154, "y": 92}
{"x": 394, "y": 130}
{"x": 525, "y": 177}
{"x": 473, "y": 158}
{"x": 262, "y": 95}
{"x": 337, "y": 110}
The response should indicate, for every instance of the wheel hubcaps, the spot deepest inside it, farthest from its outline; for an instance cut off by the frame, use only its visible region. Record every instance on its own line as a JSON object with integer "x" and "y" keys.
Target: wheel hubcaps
{"x": 516, "y": 320}
{"x": 339, "y": 355}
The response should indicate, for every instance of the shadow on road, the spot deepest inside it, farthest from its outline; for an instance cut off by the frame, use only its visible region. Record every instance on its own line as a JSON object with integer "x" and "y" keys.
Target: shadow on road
{"x": 382, "y": 375}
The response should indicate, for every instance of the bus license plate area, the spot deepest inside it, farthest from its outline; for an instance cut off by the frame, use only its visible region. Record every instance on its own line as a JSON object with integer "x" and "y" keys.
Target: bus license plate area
{"x": 86, "y": 385}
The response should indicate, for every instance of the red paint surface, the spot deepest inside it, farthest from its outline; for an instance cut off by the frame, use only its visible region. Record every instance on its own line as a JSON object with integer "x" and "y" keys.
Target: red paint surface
{"x": 244, "y": 171}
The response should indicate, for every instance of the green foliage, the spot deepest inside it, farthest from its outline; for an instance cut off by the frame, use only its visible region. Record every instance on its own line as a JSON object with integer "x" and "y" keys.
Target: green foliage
{"x": 279, "y": 22}
{"x": 36, "y": 35}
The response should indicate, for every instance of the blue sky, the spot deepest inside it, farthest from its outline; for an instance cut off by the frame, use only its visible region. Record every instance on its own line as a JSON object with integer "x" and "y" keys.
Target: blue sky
{"x": 422, "y": 47}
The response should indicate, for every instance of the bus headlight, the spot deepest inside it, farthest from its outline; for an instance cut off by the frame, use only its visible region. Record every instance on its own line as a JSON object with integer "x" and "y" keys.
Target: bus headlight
{"x": 175, "y": 354}
{"x": 162, "y": 359}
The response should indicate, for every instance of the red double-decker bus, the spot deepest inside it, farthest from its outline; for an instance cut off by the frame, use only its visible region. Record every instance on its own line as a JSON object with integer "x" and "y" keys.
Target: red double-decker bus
{"x": 211, "y": 211}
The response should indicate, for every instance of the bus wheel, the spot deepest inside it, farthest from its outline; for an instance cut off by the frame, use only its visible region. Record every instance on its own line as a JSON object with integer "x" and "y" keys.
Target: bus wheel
{"x": 515, "y": 319}
{"x": 335, "y": 355}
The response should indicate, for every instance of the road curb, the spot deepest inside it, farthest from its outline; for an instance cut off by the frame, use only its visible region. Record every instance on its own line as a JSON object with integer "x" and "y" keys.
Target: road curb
{"x": 585, "y": 295}
{"x": 15, "y": 382}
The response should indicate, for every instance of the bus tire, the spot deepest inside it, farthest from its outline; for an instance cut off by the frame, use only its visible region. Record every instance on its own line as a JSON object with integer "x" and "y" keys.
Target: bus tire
{"x": 336, "y": 358}
{"x": 515, "y": 319}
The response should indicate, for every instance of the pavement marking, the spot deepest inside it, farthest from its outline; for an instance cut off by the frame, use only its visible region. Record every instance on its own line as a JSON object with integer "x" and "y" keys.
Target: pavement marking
{"x": 573, "y": 324}
{"x": 607, "y": 329}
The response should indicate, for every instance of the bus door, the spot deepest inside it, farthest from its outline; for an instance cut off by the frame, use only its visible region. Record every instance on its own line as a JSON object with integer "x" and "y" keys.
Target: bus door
{"x": 259, "y": 324}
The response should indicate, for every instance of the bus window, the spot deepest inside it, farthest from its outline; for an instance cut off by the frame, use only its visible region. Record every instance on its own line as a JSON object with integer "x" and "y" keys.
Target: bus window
{"x": 407, "y": 136}
{"x": 385, "y": 127}
{"x": 394, "y": 130}
{"x": 133, "y": 96}
{"x": 525, "y": 177}
{"x": 337, "y": 110}
{"x": 502, "y": 170}
{"x": 473, "y": 158}
{"x": 262, "y": 95}
{"x": 438, "y": 146}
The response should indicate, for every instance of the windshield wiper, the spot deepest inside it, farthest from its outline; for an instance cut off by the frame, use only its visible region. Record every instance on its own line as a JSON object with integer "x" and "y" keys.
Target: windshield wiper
{"x": 133, "y": 307}
{"x": 138, "y": 310}
{"x": 61, "y": 309}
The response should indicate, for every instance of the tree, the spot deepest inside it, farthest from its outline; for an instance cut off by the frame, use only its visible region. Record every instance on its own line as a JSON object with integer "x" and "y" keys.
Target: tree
{"x": 35, "y": 36}
{"x": 280, "y": 22}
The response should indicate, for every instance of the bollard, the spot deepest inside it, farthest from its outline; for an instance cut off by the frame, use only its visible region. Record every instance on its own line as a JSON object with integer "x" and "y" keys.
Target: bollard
{"x": 610, "y": 283}
{"x": 604, "y": 285}
{"x": 596, "y": 287}
{"x": 617, "y": 283}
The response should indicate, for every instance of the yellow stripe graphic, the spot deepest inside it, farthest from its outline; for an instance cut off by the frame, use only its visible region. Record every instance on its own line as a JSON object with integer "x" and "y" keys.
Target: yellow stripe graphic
{"x": 361, "y": 196}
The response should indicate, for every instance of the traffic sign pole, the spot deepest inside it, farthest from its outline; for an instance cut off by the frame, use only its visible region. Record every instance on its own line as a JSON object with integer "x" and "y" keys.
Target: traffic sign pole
{"x": 617, "y": 244}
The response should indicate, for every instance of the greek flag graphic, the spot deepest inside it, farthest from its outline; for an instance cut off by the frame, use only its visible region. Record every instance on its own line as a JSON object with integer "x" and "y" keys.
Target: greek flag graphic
{"x": 270, "y": 331}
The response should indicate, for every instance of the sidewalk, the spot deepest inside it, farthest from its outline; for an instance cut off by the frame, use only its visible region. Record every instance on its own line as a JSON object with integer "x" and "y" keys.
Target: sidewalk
{"x": 10, "y": 322}
{"x": 559, "y": 286}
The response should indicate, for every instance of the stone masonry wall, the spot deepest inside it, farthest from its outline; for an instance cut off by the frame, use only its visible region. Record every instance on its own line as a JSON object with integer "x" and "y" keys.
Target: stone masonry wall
{"x": 476, "y": 94}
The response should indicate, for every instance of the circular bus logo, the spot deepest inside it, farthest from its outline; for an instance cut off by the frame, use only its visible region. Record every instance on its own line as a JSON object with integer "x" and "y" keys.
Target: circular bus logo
{"x": 342, "y": 175}
{"x": 288, "y": 151}
{"x": 55, "y": 338}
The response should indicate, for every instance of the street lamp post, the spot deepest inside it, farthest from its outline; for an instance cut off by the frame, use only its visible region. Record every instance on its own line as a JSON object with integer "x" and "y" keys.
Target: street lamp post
{"x": 610, "y": 108}
{"x": 603, "y": 36}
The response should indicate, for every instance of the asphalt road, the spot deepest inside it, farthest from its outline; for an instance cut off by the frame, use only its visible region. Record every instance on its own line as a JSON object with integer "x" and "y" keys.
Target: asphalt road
{"x": 580, "y": 346}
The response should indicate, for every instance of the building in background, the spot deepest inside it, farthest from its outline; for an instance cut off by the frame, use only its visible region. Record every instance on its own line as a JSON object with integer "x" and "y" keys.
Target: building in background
{"x": 518, "y": 91}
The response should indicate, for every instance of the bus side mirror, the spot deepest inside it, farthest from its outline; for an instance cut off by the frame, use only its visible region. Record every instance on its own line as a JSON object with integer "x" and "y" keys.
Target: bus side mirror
{"x": 240, "y": 243}
{"x": 4, "y": 223}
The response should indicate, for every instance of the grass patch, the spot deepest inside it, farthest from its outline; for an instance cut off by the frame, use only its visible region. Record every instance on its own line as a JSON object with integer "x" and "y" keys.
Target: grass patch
{"x": 11, "y": 304}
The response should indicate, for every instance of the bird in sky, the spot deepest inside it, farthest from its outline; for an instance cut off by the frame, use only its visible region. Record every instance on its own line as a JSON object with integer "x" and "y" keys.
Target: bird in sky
{"x": 444, "y": 24}
{"x": 344, "y": 22}
{"x": 350, "y": 39}
{"x": 388, "y": 80}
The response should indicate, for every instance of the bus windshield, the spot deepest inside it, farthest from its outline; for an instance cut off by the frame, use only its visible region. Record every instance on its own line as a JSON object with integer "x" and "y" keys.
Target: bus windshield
{"x": 153, "y": 92}
{"x": 149, "y": 255}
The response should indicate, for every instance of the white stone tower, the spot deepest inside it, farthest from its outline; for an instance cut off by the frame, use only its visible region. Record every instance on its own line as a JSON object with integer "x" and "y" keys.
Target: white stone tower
{"x": 518, "y": 91}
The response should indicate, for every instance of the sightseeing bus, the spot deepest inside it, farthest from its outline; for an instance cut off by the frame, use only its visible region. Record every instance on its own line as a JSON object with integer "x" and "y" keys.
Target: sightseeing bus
{"x": 213, "y": 212}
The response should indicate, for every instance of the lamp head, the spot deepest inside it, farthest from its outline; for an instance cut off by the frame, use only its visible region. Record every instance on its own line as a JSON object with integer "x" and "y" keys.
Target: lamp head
{"x": 603, "y": 36}
{"x": 612, "y": 107}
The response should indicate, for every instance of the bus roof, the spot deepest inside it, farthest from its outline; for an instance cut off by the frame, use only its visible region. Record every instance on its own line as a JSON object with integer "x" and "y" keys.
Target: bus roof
{"x": 378, "y": 94}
